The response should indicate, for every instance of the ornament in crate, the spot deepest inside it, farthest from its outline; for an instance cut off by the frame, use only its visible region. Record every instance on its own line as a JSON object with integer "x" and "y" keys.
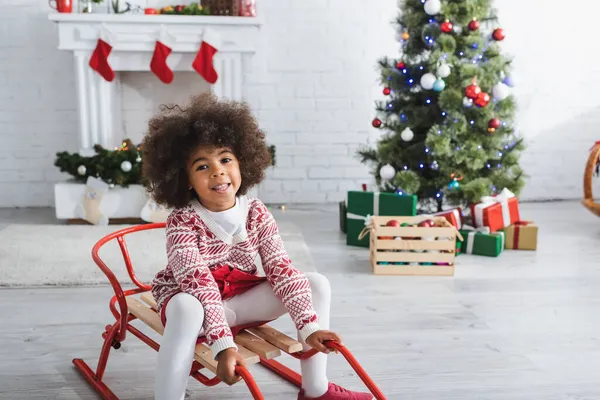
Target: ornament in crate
{"x": 421, "y": 245}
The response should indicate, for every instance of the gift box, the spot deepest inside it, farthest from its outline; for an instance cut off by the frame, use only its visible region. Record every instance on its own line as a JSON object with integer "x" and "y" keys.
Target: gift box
{"x": 362, "y": 205}
{"x": 482, "y": 242}
{"x": 343, "y": 211}
{"x": 454, "y": 216}
{"x": 497, "y": 212}
{"x": 522, "y": 235}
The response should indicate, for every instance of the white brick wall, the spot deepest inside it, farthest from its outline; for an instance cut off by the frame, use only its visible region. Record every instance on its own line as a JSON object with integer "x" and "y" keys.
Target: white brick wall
{"x": 312, "y": 85}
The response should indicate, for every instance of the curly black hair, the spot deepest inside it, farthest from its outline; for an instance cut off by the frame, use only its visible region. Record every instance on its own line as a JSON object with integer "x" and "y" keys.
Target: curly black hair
{"x": 176, "y": 133}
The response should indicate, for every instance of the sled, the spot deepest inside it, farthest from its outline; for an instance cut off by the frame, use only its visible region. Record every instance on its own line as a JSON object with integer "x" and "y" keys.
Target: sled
{"x": 257, "y": 343}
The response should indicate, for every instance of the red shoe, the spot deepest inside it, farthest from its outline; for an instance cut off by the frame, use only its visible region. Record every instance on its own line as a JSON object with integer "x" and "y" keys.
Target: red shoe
{"x": 335, "y": 392}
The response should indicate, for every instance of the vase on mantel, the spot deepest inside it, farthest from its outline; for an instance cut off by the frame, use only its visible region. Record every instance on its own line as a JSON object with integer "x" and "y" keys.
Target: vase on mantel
{"x": 86, "y": 6}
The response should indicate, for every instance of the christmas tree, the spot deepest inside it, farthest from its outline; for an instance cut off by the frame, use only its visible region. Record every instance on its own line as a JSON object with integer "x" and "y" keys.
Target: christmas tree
{"x": 448, "y": 110}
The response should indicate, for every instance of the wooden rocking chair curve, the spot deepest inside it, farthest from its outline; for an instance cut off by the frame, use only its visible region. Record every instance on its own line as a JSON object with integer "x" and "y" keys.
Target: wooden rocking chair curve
{"x": 257, "y": 344}
{"x": 590, "y": 167}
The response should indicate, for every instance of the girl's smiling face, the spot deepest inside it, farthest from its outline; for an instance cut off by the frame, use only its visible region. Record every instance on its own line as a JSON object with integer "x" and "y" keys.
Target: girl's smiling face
{"x": 214, "y": 173}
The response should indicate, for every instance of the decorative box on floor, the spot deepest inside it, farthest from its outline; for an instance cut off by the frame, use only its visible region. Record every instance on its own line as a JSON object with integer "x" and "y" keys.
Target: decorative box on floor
{"x": 496, "y": 212}
{"x": 363, "y": 204}
{"x": 522, "y": 235}
{"x": 343, "y": 217}
{"x": 482, "y": 243}
{"x": 95, "y": 203}
{"x": 412, "y": 250}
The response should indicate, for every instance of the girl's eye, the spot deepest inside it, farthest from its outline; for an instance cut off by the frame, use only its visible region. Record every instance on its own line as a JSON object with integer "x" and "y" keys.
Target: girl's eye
{"x": 226, "y": 160}
{"x": 201, "y": 167}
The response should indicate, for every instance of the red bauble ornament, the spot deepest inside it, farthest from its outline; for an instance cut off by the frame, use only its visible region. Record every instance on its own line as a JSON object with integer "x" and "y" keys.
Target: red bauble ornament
{"x": 400, "y": 65}
{"x": 472, "y": 91}
{"x": 376, "y": 122}
{"x": 498, "y": 34}
{"x": 426, "y": 224}
{"x": 387, "y": 91}
{"x": 446, "y": 26}
{"x": 473, "y": 25}
{"x": 482, "y": 99}
{"x": 393, "y": 223}
{"x": 494, "y": 123}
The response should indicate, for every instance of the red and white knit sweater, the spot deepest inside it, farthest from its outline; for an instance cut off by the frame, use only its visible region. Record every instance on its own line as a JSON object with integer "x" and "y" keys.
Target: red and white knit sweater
{"x": 197, "y": 245}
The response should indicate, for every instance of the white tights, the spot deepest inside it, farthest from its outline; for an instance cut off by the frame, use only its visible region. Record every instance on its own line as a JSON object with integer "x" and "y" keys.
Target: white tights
{"x": 184, "y": 323}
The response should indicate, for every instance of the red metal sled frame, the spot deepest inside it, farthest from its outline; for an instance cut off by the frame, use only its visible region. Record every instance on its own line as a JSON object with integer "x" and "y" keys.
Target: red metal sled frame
{"x": 115, "y": 334}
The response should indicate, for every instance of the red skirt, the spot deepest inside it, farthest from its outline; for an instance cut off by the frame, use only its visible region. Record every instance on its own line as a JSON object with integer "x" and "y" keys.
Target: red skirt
{"x": 231, "y": 282}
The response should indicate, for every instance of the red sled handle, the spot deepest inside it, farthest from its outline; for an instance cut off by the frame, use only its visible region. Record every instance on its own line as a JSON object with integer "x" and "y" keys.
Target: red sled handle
{"x": 357, "y": 367}
{"x": 250, "y": 382}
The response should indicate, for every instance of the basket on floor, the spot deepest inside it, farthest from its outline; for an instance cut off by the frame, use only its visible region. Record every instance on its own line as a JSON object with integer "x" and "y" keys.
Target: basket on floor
{"x": 588, "y": 197}
{"x": 223, "y": 7}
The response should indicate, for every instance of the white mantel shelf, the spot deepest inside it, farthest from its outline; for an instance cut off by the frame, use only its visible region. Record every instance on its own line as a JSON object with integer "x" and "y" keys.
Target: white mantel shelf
{"x": 133, "y": 39}
{"x": 154, "y": 19}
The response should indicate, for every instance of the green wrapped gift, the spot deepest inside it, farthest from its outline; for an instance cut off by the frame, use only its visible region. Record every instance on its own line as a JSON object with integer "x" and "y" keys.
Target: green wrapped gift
{"x": 363, "y": 204}
{"x": 482, "y": 243}
{"x": 343, "y": 211}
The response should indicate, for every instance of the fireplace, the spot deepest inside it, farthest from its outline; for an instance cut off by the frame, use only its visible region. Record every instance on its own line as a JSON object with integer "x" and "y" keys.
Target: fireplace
{"x": 106, "y": 108}
{"x": 100, "y": 103}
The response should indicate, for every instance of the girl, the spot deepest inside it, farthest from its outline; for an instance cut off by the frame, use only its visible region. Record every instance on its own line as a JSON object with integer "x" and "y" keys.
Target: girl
{"x": 201, "y": 162}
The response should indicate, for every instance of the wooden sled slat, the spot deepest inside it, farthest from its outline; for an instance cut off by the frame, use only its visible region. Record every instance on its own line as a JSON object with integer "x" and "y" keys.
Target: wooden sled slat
{"x": 257, "y": 345}
{"x": 202, "y": 353}
{"x": 277, "y": 338}
{"x": 149, "y": 299}
{"x": 272, "y": 340}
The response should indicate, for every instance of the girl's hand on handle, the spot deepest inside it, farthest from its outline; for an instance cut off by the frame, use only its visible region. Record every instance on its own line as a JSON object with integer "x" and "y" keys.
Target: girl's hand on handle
{"x": 317, "y": 339}
{"x": 227, "y": 360}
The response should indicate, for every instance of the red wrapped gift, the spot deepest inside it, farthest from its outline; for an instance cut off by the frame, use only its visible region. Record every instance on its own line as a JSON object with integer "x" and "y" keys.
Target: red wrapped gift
{"x": 497, "y": 212}
{"x": 454, "y": 216}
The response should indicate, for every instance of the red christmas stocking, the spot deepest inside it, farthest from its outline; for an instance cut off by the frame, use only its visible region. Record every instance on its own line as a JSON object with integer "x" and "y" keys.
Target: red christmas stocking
{"x": 203, "y": 63}
{"x": 99, "y": 60}
{"x": 158, "y": 65}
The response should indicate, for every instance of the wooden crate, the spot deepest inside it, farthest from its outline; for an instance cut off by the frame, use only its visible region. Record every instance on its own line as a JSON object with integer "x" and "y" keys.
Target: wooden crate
{"x": 393, "y": 251}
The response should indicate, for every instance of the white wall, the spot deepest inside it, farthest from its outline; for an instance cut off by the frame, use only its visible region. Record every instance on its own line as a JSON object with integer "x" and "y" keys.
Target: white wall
{"x": 312, "y": 84}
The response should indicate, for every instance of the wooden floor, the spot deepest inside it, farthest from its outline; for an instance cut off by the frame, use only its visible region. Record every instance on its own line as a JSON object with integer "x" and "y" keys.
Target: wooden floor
{"x": 523, "y": 326}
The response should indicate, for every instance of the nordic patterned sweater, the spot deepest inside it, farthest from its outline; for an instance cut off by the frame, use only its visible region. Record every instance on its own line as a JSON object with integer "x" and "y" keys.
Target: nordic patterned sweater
{"x": 196, "y": 245}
